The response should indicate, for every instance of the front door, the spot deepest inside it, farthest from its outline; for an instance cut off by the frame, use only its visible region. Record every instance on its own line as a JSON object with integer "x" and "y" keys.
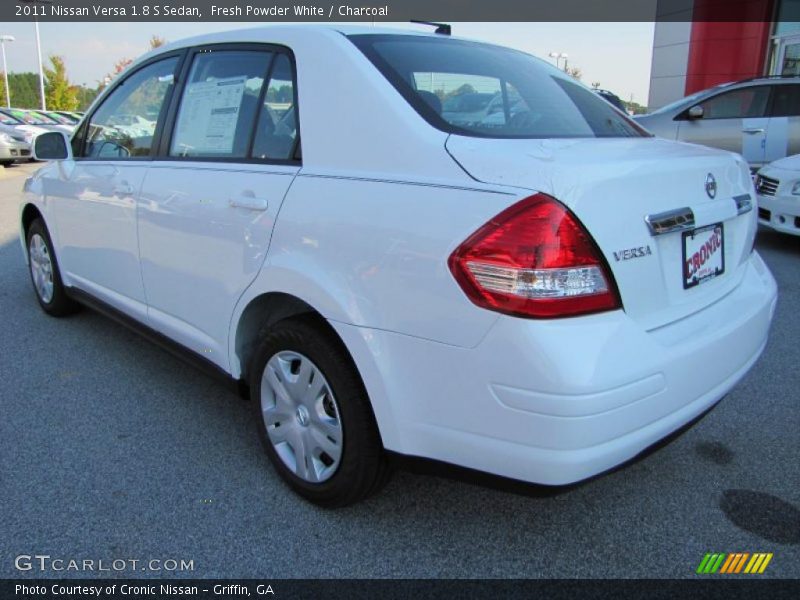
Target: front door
{"x": 207, "y": 208}
{"x": 94, "y": 197}
{"x": 734, "y": 120}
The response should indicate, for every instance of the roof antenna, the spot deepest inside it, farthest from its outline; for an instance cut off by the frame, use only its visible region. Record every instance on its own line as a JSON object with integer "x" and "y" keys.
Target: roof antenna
{"x": 442, "y": 28}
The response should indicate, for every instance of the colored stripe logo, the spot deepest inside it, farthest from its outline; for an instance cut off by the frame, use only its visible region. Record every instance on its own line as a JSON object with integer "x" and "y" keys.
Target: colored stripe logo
{"x": 734, "y": 562}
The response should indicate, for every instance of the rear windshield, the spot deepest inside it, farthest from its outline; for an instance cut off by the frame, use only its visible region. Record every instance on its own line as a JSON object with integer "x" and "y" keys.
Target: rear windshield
{"x": 480, "y": 90}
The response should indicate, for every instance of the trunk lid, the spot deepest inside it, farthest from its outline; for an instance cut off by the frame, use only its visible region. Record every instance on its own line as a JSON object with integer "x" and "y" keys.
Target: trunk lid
{"x": 613, "y": 186}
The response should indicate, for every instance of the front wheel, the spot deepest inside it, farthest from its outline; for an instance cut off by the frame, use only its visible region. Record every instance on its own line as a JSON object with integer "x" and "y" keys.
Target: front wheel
{"x": 44, "y": 272}
{"x": 314, "y": 416}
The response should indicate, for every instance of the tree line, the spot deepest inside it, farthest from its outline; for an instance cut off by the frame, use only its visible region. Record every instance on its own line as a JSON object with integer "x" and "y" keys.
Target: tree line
{"x": 59, "y": 92}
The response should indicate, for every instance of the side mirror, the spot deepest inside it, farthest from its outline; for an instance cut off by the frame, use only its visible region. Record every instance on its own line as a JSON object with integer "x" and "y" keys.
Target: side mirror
{"x": 53, "y": 145}
{"x": 696, "y": 112}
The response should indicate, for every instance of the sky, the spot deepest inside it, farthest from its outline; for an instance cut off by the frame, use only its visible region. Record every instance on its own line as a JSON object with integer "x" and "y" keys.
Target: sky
{"x": 617, "y": 55}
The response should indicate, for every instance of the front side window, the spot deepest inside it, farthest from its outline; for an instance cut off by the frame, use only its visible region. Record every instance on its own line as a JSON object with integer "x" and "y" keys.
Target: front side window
{"x": 219, "y": 104}
{"x": 748, "y": 102}
{"x": 481, "y": 90}
{"x": 125, "y": 123}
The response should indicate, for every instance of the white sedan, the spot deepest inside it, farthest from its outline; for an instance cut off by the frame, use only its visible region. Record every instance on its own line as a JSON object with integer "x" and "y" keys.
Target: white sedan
{"x": 778, "y": 189}
{"x": 541, "y": 298}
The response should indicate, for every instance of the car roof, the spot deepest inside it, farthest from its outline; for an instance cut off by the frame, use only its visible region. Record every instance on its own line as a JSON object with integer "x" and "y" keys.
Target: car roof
{"x": 273, "y": 33}
{"x": 262, "y": 33}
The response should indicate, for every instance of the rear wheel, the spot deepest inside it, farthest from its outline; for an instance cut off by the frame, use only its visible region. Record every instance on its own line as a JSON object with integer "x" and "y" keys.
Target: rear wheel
{"x": 314, "y": 416}
{"x": 44, "y": 272}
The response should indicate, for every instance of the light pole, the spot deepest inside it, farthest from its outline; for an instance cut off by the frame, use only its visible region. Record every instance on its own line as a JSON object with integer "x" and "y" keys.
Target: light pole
{"x": 41, "y": 72}
{"x": 3, "y": 40}
{"x": 558, "y": 56}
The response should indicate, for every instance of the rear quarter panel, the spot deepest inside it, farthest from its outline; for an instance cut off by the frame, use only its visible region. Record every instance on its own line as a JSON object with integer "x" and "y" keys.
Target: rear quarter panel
{"x": 374, "y": 254}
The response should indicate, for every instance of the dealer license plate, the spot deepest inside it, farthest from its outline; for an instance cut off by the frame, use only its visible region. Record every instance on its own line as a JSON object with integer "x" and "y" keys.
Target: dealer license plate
{"x": 703, "y": 255}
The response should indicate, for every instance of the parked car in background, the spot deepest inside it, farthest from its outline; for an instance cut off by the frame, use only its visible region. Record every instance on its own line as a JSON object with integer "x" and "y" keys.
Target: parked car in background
{"x": 778, "y": 192}
{"x": 13, "y": 147}
{"x": 612, "y": 99}
{"x": 30, "y": 117}
{"x": 10, "y": 124}
{"x": 60, "y": 117}
{"x": 757, "y": 118}
{"x": 52, "y": 121}
{"x": 542, "y": 298}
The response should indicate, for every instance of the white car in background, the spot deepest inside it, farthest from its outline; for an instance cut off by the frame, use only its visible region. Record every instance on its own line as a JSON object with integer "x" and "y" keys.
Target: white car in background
{"x": 778, "y": 193}
{"x": 542, "y": 298}
{"x": 11, "y": 124}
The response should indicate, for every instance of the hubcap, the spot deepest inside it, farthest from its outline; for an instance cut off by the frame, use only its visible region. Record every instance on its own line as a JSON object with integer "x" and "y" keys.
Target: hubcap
{"x": 41, "y": 268}
{"x": 301, "y": 416}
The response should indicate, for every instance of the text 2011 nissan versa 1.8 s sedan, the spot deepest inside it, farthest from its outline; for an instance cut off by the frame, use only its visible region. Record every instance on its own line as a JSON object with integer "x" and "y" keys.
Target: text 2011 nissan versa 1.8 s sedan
{"x": 541, "y": 295}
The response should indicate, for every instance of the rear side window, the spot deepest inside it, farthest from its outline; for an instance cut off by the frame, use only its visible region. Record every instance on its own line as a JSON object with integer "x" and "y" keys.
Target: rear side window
{"x": 748, "y": 102}
{"x": 276, "y": 131}
{"x": 786, "y": 100}
{"x": 219, "y": 104}
{"x": 124, "y": 124}
{"x": 481, "y": 90}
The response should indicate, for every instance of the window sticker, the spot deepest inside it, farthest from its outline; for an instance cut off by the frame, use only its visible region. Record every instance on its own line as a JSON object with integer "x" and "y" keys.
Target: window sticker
{"x": 208, "y": 116}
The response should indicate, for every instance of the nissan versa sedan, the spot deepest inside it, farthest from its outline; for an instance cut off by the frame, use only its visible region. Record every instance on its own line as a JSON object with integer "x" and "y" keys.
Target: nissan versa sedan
{"x": 758, "y": 118}
{"x": 542, "y": 298}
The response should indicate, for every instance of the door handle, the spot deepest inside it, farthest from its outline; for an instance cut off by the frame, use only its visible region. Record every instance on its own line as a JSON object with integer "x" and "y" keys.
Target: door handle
{"x": 249, "y": 202}
{"x": 123, "y": 188}
{"x": 753, "y": 130}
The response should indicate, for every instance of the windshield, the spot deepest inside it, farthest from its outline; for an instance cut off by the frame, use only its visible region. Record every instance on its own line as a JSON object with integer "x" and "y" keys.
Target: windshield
{"x": 64, "y": 120}
{"x": 9, "y": 120}
{"x": 43, "y": 118}
{"x": 480, "y": 90}
{"x": 28, "y": 117}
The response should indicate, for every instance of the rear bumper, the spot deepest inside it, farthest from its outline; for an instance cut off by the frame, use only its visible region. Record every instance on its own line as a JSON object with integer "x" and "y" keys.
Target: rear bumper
{"x": 555, "y": 402}
{"x": 781, "y": 213}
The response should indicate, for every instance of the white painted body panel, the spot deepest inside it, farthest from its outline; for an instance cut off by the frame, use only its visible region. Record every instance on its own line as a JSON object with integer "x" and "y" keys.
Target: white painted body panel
{"x": 784, "y": 206}
{"x": 612, "y": 185}
{"x": 362, "y": 233}
{"x": 95, "y": 219}
{"x": 198, "y": 250}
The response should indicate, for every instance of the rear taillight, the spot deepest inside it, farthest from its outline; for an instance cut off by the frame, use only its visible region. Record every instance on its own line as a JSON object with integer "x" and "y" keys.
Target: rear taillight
{"x": 534, "y": 259}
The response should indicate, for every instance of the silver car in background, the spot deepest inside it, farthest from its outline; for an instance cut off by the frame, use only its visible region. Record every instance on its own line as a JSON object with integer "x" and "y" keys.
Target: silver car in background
{"x": 13, "y": 147}
{"x": 757, "y": 118}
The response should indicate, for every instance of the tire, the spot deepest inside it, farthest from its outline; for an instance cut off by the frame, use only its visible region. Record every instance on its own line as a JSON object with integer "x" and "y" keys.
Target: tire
{"x": 7, "y": 163}
{"x": 322, "y": 395}
{"x": 45, "y": 276}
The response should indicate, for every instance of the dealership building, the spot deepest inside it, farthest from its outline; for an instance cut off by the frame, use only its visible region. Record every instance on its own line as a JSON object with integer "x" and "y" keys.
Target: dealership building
{"x": 708, "y": 42}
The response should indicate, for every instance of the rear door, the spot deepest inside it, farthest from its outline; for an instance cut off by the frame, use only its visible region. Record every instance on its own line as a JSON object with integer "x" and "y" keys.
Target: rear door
{"x": 783, "y": 132}
{"x": 734, "y": 120}
{"x": 208, "y": 204}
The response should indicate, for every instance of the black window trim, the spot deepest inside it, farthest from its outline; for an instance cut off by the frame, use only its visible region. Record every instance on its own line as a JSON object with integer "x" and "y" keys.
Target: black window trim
{"x": 163, "y": 154}
{"x": 684, "y": 114}
{"x": 162, "y": 137}
{"x": 80, "y": 133}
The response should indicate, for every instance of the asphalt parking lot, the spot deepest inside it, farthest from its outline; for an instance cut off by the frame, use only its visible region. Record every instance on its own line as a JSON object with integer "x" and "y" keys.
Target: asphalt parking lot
{"x": 112, "y": 448}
